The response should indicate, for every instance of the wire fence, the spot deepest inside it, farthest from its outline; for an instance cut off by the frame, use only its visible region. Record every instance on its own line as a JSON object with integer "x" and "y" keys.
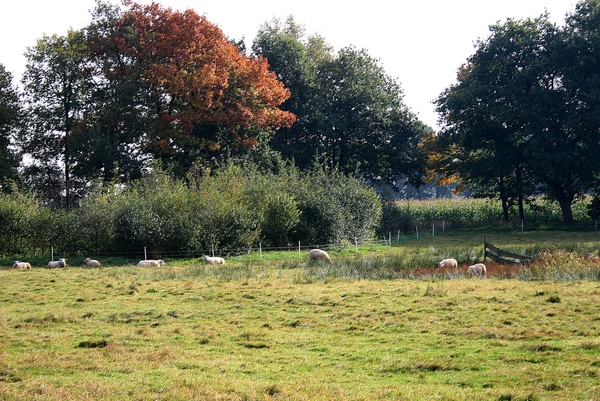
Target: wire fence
{"x": 393, "y": 238}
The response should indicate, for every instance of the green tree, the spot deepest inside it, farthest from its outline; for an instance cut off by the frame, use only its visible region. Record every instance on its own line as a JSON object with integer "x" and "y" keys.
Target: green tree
{"x": 482, "y": 138}
{"x": 55, "y": 89}
{"x": 365, "y": 126}
{"x": 350, "y": 113}
{"x": 283, "y": 46}
{"x": 10, "y": 116}
{"x": 512, "y": 121}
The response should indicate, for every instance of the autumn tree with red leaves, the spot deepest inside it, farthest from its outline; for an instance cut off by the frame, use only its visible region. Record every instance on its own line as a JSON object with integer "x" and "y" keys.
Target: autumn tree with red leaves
{"x": 201, "y": 75}
{"x": 199, "y": 94}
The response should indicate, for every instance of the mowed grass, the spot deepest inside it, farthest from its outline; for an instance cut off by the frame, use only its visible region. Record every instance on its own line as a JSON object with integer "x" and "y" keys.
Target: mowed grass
{"x": 275, "y": 331}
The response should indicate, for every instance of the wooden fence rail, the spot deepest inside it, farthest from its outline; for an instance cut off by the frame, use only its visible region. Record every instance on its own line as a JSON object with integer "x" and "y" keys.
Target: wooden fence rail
{"x": 500, "y": 256}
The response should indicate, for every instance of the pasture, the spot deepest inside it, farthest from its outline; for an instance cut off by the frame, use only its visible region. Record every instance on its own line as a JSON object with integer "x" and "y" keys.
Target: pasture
{"x": 285, "y": 330}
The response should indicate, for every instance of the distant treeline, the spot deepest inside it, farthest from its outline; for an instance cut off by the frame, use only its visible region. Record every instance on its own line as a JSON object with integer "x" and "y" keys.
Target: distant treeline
{"x": 235, "y": 207}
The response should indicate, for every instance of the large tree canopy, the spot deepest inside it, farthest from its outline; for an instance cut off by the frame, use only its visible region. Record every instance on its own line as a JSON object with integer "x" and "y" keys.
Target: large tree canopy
{"x": 142, "y": 83}
{"x": 520, "y": 116}
{"x": 350, "y": 113}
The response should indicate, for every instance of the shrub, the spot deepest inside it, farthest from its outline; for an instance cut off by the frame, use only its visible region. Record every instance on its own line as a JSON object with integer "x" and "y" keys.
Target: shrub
{"x": 17, "y": 213}
{"x": 153, "y": 214}
{"x": 335, "y": 208}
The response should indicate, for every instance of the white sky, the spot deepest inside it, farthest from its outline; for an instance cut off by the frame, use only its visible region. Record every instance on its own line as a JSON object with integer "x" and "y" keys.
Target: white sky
{"x": 420, "y": 43}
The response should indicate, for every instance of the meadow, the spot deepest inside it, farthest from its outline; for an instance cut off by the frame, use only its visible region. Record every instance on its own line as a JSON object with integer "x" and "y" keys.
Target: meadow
{"x": 365, "y": 327}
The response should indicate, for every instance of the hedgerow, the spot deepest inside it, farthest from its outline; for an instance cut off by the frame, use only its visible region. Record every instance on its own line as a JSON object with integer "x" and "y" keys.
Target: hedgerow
{"x": 232, "y": 209}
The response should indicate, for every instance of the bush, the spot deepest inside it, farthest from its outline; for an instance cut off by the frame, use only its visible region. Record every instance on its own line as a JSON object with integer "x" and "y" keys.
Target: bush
{"x": 335, "y": 208}
{"x": 233, "y": 209}
{"x": 154, "y": 214}
{"x": 17, "y": 214}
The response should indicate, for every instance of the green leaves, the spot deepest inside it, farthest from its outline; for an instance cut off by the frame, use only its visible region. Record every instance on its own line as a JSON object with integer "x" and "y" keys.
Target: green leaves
{"x": 518, "y": 119}
{"x": 351, "y": 114}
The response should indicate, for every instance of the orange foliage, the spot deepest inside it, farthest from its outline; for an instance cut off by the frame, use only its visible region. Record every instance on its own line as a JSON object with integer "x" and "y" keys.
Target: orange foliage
{"x": 439, "y": 157}
{"x": 202, "y": 77}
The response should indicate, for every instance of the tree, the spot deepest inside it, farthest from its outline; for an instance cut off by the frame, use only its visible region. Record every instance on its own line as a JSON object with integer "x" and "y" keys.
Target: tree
{"x": 350, "y": 114}
{"x": 55, "y": 89}
{"x": 108, "y": 147}
{"x": 10, "y": 115}
{"x": 200, "y": 95}
{"x": 289, "y": 58}
{"x": 484, "y": 125}
{"x": 510, "y": 119}
{"x": 365, "y": 126}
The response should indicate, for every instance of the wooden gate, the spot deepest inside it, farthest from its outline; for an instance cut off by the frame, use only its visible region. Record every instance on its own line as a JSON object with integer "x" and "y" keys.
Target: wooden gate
{"x": 499, "y": 256}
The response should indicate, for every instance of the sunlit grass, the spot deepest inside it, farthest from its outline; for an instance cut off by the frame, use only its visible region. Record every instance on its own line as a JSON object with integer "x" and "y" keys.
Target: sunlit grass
{"x": 129, "y": 333}
{"x": 377, "y": 324}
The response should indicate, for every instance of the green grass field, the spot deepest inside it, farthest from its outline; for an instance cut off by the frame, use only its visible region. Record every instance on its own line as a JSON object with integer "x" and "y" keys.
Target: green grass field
{"x": 283, "y": 330}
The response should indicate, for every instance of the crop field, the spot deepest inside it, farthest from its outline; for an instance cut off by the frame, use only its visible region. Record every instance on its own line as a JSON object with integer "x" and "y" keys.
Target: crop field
{"x": 281, "y": 329}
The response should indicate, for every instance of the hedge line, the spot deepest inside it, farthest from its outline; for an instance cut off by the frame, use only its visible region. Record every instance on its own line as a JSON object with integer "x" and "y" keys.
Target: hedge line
{"x": 236, "y": 207}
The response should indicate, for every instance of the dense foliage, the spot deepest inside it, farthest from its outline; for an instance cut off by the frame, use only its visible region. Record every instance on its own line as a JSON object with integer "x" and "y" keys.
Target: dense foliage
{"x": 350, "y": 113}
{"x": 138, "y": 84}
{"x": 10, "y": 115}
{"x": 231, "y": 210}
{"x": 523, "y": 118}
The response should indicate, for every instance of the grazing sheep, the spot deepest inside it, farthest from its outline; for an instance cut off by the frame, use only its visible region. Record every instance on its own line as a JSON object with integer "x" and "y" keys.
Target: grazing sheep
{"x": 91, "y": 262}
{"x": 451, "y": 263}
{"x": 158, "y": 262}
{"x": 57, "y": 263}
{"x": 214, "y": 260}
{"x": 477, "y": 269}
{"x": 21, "y": 265}
{"x": 317, "y": 254}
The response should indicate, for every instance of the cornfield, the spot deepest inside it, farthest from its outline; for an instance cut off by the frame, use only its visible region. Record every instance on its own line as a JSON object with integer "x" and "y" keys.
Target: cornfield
{"x": 405, "y": 215}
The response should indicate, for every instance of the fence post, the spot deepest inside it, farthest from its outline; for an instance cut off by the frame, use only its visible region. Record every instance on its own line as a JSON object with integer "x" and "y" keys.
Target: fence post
{"x": 390, "y": 238}
{"x": 260, "y": 249}
{"x": 417, "y": 232}
{"x": 484, "y": 247}
{"x": 433, "y": 230}
{"x": 356, "y": 244}
{"x": 299, "y": 250}
{"x": 443, "y": 225}
{"x": 145, "y": 257}
{"x": 52, "y": 251}
{"x": 398, "y": 240}
{"x": 213, "y": 250}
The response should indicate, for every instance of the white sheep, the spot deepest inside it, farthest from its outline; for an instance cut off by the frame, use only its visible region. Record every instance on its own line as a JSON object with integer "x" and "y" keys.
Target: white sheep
{"x": 450, "y": 263}
{"x": 57, "y": 263}
{"x": 21, "y": 265}
{"x": 318, "y": 254}
{"x": 158, "y": 262}
{"x": 91, "y": 262}
{"x": 214, "y": 260}
{"x": 477, "y": 269}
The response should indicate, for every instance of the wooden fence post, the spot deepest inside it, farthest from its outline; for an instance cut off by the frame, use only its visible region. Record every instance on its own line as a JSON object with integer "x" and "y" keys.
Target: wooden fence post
{"x": 484, "y": 247}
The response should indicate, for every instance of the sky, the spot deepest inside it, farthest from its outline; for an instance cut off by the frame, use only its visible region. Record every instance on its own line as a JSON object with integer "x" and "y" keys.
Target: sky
{"x": 419, "y": 43}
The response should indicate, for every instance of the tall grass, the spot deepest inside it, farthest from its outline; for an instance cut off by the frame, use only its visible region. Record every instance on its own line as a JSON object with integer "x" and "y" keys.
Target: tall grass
{"x": 562, "y": 265}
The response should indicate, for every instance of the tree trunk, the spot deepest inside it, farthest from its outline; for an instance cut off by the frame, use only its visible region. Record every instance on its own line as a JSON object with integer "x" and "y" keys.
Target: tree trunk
{"x": 564, "y": 202}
